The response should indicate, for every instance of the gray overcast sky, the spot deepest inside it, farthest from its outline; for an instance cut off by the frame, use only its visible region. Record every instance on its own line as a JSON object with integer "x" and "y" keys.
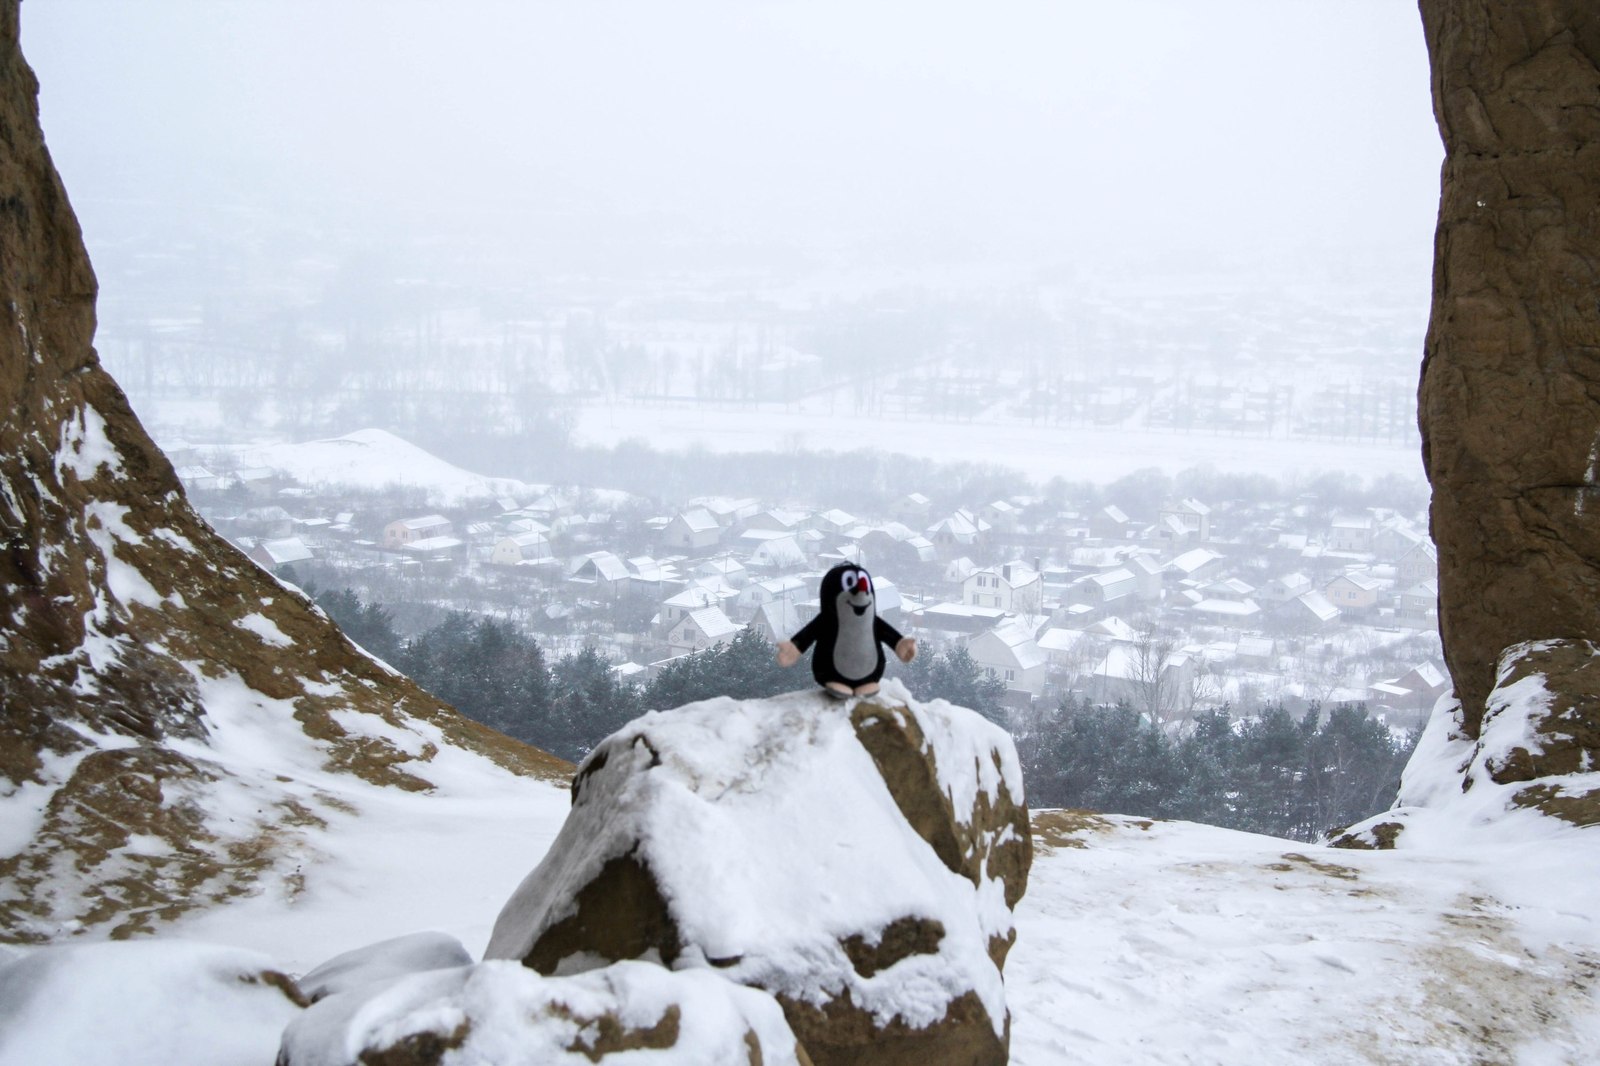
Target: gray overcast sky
{"x": 1036, "y": 131}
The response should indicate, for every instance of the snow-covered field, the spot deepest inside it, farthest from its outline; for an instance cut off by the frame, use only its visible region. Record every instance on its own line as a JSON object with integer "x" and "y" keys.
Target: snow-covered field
{"x": 1077, "y": 453}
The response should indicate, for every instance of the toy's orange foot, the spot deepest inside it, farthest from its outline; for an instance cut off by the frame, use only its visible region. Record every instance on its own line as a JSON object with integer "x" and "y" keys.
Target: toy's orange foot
{"x": 838, "y": 689}
{"x": 868, "y": 689}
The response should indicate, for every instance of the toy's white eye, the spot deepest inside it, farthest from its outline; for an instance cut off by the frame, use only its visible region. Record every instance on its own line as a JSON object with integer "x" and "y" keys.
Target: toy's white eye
{"x": 849, "y": 580}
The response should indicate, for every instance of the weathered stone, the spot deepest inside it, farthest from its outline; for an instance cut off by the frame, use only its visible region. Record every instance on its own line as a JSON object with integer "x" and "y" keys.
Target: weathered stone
{"x": 118, "y": 604}
{"x": 1510, "y": 394}
{"x": 859, "y": 863}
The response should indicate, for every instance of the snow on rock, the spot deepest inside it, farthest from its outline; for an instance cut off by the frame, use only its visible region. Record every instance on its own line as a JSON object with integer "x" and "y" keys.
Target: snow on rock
{"x": 503, "y": 1013}
{"x": 142, "y": 1002}
{"x": 384, "y": 961}
{"x": 860, "y": 861}
{"x": 1536, "y": 757}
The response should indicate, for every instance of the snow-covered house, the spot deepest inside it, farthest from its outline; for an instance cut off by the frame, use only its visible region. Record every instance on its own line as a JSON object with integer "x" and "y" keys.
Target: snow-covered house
{"x": 602, "y": 571}
{"x": 404, "y": 531}
{"x": 1111, "y": 523}
{"x": 1014, "y": 587}
{"x": 1192, "y": 516}
{"x": 520, "y": 548}
{"x": 1011, "y": 654}
{"x": 700, "y": 629}
{"x": 1351, "y": 534}
{"x": 961, "y": 529}
{"x": 277, "y": 553}
{"x": 1354, "y": 592}
{"x": 693, "y": 530}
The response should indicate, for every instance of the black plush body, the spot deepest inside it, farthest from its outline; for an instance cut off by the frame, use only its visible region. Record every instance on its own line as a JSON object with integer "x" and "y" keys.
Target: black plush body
{"x": 848, "y": 634}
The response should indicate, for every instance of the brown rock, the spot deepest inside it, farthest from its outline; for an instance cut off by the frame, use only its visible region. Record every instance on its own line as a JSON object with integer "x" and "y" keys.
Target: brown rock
{"x": 669, "y": 855}
{"x": 1510, "y": 394}
{"x": 112, "y": 589}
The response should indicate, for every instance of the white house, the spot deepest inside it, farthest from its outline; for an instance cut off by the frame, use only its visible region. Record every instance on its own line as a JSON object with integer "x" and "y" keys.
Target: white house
{"x": 274, "y": 554}
{"x": 404, "y": 531}
{"x": 603, "y": 571}
{"x": 701, "y": 629}
{"x": 1013, "y": 587}
{"x": 1011, "y": 654}
{"x": 520, "y": 548}
{"x": 693, "y": 530}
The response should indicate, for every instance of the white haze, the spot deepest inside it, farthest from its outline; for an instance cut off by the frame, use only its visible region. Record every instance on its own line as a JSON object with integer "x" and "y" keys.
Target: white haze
{"x": 1268, "y": 134}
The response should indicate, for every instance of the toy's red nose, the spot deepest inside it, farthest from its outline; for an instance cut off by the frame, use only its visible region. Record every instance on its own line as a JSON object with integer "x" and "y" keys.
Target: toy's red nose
{"x": 864, "y": 584}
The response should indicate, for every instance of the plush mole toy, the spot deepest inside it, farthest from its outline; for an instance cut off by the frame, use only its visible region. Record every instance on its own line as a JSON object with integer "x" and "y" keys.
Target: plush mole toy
{"x": 847, "y": 633}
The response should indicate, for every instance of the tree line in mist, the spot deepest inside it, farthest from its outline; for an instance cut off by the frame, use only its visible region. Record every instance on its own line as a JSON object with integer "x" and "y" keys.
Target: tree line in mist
{"x": 1273, "y": 774}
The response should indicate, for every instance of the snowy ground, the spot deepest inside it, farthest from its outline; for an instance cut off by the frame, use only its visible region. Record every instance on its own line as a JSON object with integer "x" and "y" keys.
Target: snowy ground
{"x": 1138, "y": 942}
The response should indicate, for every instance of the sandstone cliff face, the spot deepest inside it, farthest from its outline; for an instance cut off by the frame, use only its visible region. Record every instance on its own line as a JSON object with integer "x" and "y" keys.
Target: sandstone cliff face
{"x": 119, "y": 608}
{"x": 1510, "y": 396}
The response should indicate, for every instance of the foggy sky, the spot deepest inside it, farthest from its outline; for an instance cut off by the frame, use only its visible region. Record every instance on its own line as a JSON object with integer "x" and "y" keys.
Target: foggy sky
{"x": 1040, "y": 132}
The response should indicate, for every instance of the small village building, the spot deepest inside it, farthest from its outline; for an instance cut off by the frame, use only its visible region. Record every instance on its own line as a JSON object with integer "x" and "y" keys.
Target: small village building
{"x": 1148, "y": 577}
{"x": 1192, "y": 516}
{"x": 726, "y": 568}
{"x": 521, "y": 548}
{"x": 1309, "y": 612}
{"x": 1353, "y": 592}
{"x": 1418, "y": 564}
{"x": 691, "y": 531}
{"x": 701, "y": 629}
{"x": 958, "y": 618}
{"x": 440, "y": 549}
{"x": 790, "y": 588}
{"x": 1285, "y": 588}
{"x": 913, "y": 509}
{"x": 277, "y": 553}
{"x": 1002, "y": 516}
{"x": 198, "y": 479}
{"x": 1418, "y": 606}
{"x": 1111, "y": 523}
{"x": 959, "y": 530}
{"x": 602, "y": 571}
{"x": 1010, "y": 653}
{"x": 1194, "y": 565}
{"x": 778, "y": 554}
{"x": 777, "y": 620}
{"x": 1014, "y": 587}
{"x": 1352, "y": 535}
{"x": 404, "y": 531}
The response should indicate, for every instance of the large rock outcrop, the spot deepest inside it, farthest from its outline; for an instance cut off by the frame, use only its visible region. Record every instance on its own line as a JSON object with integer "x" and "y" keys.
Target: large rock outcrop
{"x": 120, "y": 610}
{"x": 1510, "y": 394}
{"x": 860, "y": 862}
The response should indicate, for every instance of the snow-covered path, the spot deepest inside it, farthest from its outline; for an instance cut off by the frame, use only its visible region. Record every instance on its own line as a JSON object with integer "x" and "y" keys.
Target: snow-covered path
{"x": 1149, "y": 943}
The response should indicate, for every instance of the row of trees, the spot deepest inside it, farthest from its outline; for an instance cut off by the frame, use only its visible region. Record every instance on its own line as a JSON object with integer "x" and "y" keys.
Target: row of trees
{"x": 1273, "y": 774}
{"x": 494, "y": 673}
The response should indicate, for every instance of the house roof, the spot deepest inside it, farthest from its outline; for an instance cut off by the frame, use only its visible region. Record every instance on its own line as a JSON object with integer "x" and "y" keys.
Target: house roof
{"x": 1365, "y": 582}
{"x": 713, "y": 623}
{"x": 1193, "y": 560}
{"x": 427, "y": 521}
{"x": 1110, "y": 577}
{"x": 286, "y": 550}
{"x": 606, "y": 566}
{"x": 433, "y": 544}
{"x": 699, "y": 520}
{"x": 1058, "y": 639}
{"x": 1318, "y": 605}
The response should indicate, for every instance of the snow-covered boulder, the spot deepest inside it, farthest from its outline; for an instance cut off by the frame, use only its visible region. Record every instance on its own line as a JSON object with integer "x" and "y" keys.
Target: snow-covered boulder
{"x": 143, "y": 1001}
{"x": 859, "y": 861}
{"x": 503, "y": 1013}
{"x": 1536, "y": 757}
{"x": 384, "y": 961}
